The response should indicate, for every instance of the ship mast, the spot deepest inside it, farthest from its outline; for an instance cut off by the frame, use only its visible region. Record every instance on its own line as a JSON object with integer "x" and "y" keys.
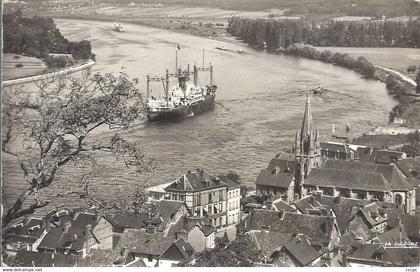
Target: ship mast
{"x": 211, "y": 75}
{"x": 203, "y": 59}
{"x": 147, "y": 89}
{"x": 167, "y": 87}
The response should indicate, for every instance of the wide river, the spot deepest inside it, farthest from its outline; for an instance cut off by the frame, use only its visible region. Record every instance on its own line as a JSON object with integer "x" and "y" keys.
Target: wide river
{"x": 259, "y": 105}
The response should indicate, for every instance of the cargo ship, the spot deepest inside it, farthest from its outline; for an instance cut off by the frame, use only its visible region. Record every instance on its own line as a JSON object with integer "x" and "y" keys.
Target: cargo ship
{"x": 186, "y": 98}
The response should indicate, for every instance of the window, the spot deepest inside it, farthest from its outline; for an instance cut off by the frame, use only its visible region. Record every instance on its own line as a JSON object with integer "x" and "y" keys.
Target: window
{"x": 220, "y": 207}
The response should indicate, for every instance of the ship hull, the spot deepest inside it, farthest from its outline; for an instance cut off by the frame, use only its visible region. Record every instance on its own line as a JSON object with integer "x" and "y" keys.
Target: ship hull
{"x": 184, "y": 111}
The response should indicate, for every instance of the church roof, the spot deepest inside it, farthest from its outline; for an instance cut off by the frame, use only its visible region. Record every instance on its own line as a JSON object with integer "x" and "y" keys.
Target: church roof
{"x": 348, "y": 179}
{"x": 390, "y": 173}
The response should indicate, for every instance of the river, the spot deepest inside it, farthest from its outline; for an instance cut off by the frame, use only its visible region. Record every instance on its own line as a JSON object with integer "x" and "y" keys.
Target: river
{"x": 259, "y": 105}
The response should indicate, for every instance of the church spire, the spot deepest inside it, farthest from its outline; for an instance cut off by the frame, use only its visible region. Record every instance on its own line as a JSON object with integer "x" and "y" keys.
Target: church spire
{"x": 307, "y": 125}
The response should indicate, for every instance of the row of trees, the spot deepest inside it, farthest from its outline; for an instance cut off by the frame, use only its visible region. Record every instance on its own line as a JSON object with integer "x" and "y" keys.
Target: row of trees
{"x": 326, "y": 32}
{"x": 360, "y": 65}
{"x": 38, "y": 36}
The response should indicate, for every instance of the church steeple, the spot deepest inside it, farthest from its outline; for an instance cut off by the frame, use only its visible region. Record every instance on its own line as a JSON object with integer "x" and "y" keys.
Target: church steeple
{"x": 307, "y": 149}
{"x": 307, "y": 125}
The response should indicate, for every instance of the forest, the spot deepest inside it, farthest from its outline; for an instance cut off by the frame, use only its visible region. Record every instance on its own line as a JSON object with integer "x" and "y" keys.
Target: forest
{"x": 374, "y": 8}
{"x": 323, "y": 31}
{"x": 37, "y": 37}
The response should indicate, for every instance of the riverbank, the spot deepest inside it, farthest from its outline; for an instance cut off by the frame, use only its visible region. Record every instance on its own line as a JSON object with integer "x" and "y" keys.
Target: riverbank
{"x": 66, "y": 71}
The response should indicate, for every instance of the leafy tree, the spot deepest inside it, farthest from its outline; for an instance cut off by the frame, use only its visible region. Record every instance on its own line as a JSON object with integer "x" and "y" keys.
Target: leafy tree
{"x": 52, "y": 129}
{"x": 238, "y": 253}
{"x": 81, "y": 50}
{"x": 411, "y": 68}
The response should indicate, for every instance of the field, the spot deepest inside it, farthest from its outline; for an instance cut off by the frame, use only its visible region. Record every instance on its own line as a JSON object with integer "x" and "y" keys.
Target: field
{"x": 394, "y": 58}
{"x": 30, "y": 66}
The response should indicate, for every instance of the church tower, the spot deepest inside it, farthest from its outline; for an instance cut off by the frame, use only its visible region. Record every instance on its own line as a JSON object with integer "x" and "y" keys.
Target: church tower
{"x": 307, "y": 148}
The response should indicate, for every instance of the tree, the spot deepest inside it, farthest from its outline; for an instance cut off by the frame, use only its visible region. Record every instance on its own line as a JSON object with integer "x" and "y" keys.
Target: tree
{"x": 238, "y": 253}
{"x": 63, "y": 117}
{"x": 81, "y": 50}
{"x": 418, "y": 81}
{"x": 411, "y": 68}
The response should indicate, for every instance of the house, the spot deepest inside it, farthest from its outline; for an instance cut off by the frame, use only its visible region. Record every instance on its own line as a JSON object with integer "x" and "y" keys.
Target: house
{"x": 267, "y": 241}
{"x": 204, "y": 195}
{"x": 298, "y": 252}
{"x": 75, "y": 234}
{"x": 374, "y": 255}
{"x": 163, "y": 213}
{"x": 276, "y": 184}
{"x": 233, "y": 201}
{"x": 26, "y": 234}
{"x": 154, "y": 248}
{"x": 43, "y": 259}
{"x": 369, "y": 154}
{"x": 340, "y": 151}
{"x": 309, "y": 205}
{"x": 368, "y": 220}
{"x": 198, "y": 232}
{"x": 321, "y": 230}
{"x": 280, "y": 205}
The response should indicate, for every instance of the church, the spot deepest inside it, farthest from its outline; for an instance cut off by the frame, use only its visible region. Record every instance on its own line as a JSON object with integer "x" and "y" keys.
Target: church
{"x": 307, "y": 169}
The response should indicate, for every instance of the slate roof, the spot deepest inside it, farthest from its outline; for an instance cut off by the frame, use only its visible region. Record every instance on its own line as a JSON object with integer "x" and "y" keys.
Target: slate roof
{"x": 302, "y": 251}
{"x": 368, "y": 154}
{"x": 138, "y": 241}
{"x": 412, "y": 226}
{"x": 349, "y": 240}
{"x": 390, "y": 172}
{"x": 393, "y": 256}
{"x": 105, "y": 258}
{"x": 38, "y": 259}
{"x": 29, "y": 231}
{"x": 371, "y": 214}
{"x": 280, "y": 205}
{"x": 267, "y": 241}
{"x": 314, "y": 226}
{"x": 279, "y": 180}
{"x": 184, "y": 248}
{"x": 334, "y": 147}
{"x": 344, "y": 209}
{"x": 393, "y": 235}
{"x": 195, "y": 181}
{"x": 184, "y": 225}
{"x": 130, "y": 221}
{"x": 306, "y": 204}
{"x": 283, "y": 161}
{"x": 230, "y": 184}
{"x": 75, "y": 236}
{"x": 348, "y": 179}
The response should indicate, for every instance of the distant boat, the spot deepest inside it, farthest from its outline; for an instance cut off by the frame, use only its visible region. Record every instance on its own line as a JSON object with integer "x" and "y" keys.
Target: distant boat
{"x": 318, "y": 90}
{"x": 118, "y": 27}
{"x": 221, "y": 48}
{"x": 240, "y": 51}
